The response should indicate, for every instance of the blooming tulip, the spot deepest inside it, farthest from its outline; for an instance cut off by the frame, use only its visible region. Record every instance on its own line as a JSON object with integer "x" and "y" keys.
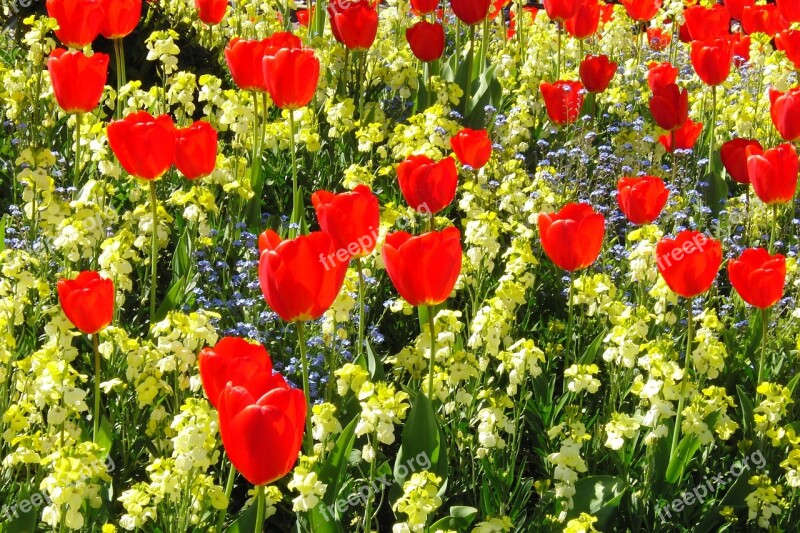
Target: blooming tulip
{"x": 79, "y": 21}
{"x": 563, "y": 100}
{"x": 88, "y": 301}
{"x": 471, "y": 12}
{"x": 764, "y": 19}
{"x": 788, "y": 41}
{"x": 196, "y": 150}
{"x": 641, "y": 10}
{"x": 740, "y": 46}
{"x": 472, "y": 147}
{"x": 572, "y": 238}
{"x": 773, "y": 173}
{"x": 790, "y": 9}
{"x": 785, "y": 111}
{"x": 301, "y": 277}
{"x": 423, "y": 7}
{"x": 689, "y": 262}
{"x": 735, "y": 7}
{"x": 291, "y": 76}
{"x": 211, "y": 11}
{"x": 236, "y": 361}
{"x": 77, "y": 80}
{"x": 423, "y": 269}
{"x": 660, "y": 74}
{"x": 707, "y": 23}
{"x": 734, "y": 157}
{"x": 120, "y": 18}
{"x": 561, "y": 10}
{"x": 354, "y": 23}
{"x": 585, "y": 22}
{"x": 596, "y": 73}
{"x": 249, "y": 425}
{"x": 143, "y": 144}
{"x": 758, "y": 277}
{"x": 658, "y": 39}
{"x": 244, "y": 58}
{"x": 712, "y": 60}
{"x": 669, "y": 106}
{"x": 428, "y": 186}
{"x": 426, "y": 40}
{"x": 685, "y": 136}
{"x": 351, "y": 218}
{"x": 641, "y": 200}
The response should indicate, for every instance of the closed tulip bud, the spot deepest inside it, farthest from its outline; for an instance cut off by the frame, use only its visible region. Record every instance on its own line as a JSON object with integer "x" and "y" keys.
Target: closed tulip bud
{"x": 471, "y": 12}
{"x": 573, "y": 237}
{"x": 689, "y": 263}
{"x": 244, "y": 59}
{"x": 734, "y": 157}
{"x": 472, "y": 147}
{"x": 669, "y": 106}
{"x": 423, "y": 7}
{"x": 196, "y": 150}
{"x": 758, "y": 277}
{"x": 641, "y": 10}
{"x": 301, "y": 277}
{"x": 735, "y": 7}
{"x": 88, "y": 301}
{"x": 740, "y": 46}
{"x": 428, "y": 186}
{"x": 773, "y": 173}
{"x": 685, "y": 136}
{"x": 764, "y": 19}
{"x": 785, "y": 112}
{"x": 291, "y": 76}
{"x": 642, "y": 199}
{"x": 424, "y": 269}
{"x": 426, "y": 40}
{"x": 658, "y": 39}
{"x": 354, "y": 23}
{"x": 77, "y": 80}
{"x": 120, "y": 18}
{"x": 597, "y": 72}
{"x": 563, "y": 100}
{"x": 143, "y": 144}
{"x": 561, "y": 10}
{"x": 712, "y": 60}
{"x": 79, "y": 21}
{"x": 585, "y": 22}
{"x": 303, "y": 16}
{"x": 351, "y": 218}
{"x": 707, "y": 23}
{"x": 660, "y": 74}
{"x": 211, "y": 12}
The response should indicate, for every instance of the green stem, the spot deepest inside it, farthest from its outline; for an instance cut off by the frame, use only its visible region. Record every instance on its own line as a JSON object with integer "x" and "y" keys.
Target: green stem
{"x": 228, "y": 489}
{"x": 96, "y": 414}
{"x": 764, "y": 317}
{"x": 687, "y": 367}
{"x": 432, "y": 331}
{"x": 153, "y": 251}
{"x": 301, "y": 340}
{"x": 774, "y": 225}
{"x": 713, "y": 128}
{"x": 558, "y": 58}
{"x": 484, "y": 44}
{"x": 296, "y": 215}
{"x": 261, "y": 504}
{"x": 76, "y": 179}
{"x": 256, "y": 129}
{"x": 468, "y": 78}
{"x": 361, "y": 317}
{"x": 119, "y": 57}
{"x": 673, "y": 140}
{"x": 368, "y": 514}
{"x": 570, "y": 321}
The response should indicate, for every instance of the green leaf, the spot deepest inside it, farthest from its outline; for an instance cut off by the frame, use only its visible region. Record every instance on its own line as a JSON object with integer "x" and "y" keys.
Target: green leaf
{"x": 461, "y": 517}
{"x": 333, "y": 471}
{"x": 590, "y": 354}
{"x": 245, "y": 522}
{"x": 257, "y": 180}
{"x": 173, "y": 298}
{"x": 747, "y": 409}
{"x": 374, "y": 364}
{"x": 3, "y": 224}
{"x": 716, "y": 192}
{"x": 105, "y": 437}
{"x": 598, "y": 496}
{"x": 735, "y": 498}
{"x": 180, "y": 260}
{"x": 685, "y": 452}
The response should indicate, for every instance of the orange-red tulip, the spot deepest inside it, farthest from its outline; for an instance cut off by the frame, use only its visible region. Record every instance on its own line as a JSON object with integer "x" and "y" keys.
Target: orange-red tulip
{"x": 785, "y": 112}
{"x": 642, "y": 199}
{"x": 735, "y": 7}
{"x": 77, "y": 80}
{"x": 734, "y": 157}
{"x": 88, "y": 301}
{"x": 352, "y": 219}
{"x": 354, "y": 23}
{"x": 764, "y": 19}
{"x": 424, "y": 269}
{"x": 563, "y": 100}
{"x": 196, "y": 150}
{"x": 291, "y": 76}
{"x": 79, "y": 21}
{"x": 428, "y": 186}
{"x": 740, "y": 46}
{"x": 471, "y": 12}
{"x": 596, "y": 73}
{"x": 120, "y": 18}
{"x": 790, "y": 9}
{"x": 773, "y": 173}
{"x": 143, "y": 144}
{"x": 689, "y": 263}
{"x": 573, "y": 237}
{"x": 586, "y": 21}
{"x": 669, "y": 106}
{"x": 426, "y": 40}
{"x": 758, "y": 277}
{"x": 660, "y": 74}
{"x": 561, "y": 10}
{"x": 472, "y": 147}
{"x": 423, "y": 7}
{"x": 658, "y": 38}
{"x": 244, "y": 58}
{"x": 685, "y": 136}
{"x": 211, "y": 11}
{"x": 641, "y": 10}
{"x": 707, "y": 23}
{"x": 712, "y": 60}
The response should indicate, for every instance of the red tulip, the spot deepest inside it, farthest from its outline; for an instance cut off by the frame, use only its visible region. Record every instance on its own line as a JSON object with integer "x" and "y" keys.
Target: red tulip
{"x": 585, "y": 22}
{"x": 712, "y": 60}
{"x": 734, "y": 157}
{"x": 236, "y": 361}
{"x": 301, "y": 277}
{"x": 641, "y": 200}
{"x": 426, "y": 40}
{"x": 641, "y": 10}
{"x": 303, "y": 16}
{"x": 262, "y": 435}
{"x": 758, "y": 277}
{"x": 428, "y": 186}
{"x": 788, "y": 41}
{"x": 143, "y": 144}
{"x": 735, "y": 7}
{"x": 88, "y": 301}
{"x": 683, "y": 34}
{"x": 572, "y": 238}
{"x": 685, "y": 136}
{"x": 606, "y": 12}
{"x": 77, "y": 80}
{"x": 740, "y": 45}
{"x": 79, "y": 21}
{"x": 773, "y": 173}
{"x": 120, "y": 18}
{"x": 423, "y": 7}
{"x": 211, "y": 11}
{"x": 424, "y": 269}
{"x": 196, "y": 150}
{"x": 561, "y": 10}
{"x": 669, "y": 106}
{"x": 596, "y": 73}
{"x": 785, "y": 111}
{"x": 472, "y": 147}
{"x": 658, "y": 38}
{"x": 351, "y": 218}
{"x": 707, "y": 23}
{"x": 762, "y": 19}
{"x": 660, "y": 74}
{"x": 563, "y": 100}
{"x": 471, "y": 12}
{"x": 790, "y": 9}
{"x": 292, "y": 76}
{"x": 354, "y": 23}
{"x": 244, "y": 59}
{"x": 689, "y": 262}
{"x": 497, "y": 7}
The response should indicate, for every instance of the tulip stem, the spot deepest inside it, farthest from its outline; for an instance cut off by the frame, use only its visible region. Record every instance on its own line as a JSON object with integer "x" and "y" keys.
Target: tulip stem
{"x": 673, "y": 139}
{"x": 687, "y": 367}
{"x": 361, "y": 317}
{"x": 570, "y": 320}
{"x": 76, "y": 179}
{"x": 296, "y": 214}
{"x": 96, "y": 415}
{"x": 712, "y": 130}
{"x": 260, "y": 509}
{"x": 764, "y": 319}
{"x": 558, "y": 57}
{"x": 153, "y": 251}
{"x": 432, "y": 332}
{"x": 119, "y": 57}
{"x": 774, "y": 225}
{"x": 301, "y": 340}
{"x": 228, "y": 489}
{"x": 468, "y": 77}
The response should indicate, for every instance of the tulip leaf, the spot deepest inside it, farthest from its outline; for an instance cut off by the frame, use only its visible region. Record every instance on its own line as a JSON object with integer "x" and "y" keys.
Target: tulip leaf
{"x": 747, "y": 409}
{"x": 716, "y": 192}
{"x": 257, "y": 181}
{"x": 3, "y": 224}
{"x": 105, "y": 437}
{"x": 173, "y": 297}
{"x": 332, "y": 473}
{"x": 461, "y": 517}
{"x": 245, "y": 522}
{"x": 598, "y": 496}
{"x": 374, "y": 364}
{"x": 486, "y": 91}
{"x": 22, "y": 522}
{"x": 685, "y": 451}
